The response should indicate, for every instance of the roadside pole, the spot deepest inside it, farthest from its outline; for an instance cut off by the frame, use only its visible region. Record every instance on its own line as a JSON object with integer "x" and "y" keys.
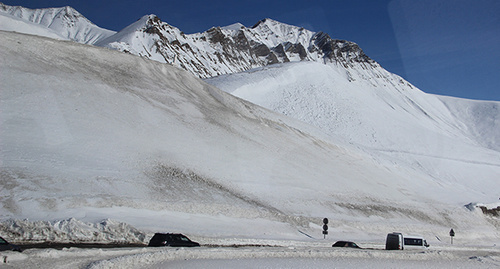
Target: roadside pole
{"x": 325, "y": 227}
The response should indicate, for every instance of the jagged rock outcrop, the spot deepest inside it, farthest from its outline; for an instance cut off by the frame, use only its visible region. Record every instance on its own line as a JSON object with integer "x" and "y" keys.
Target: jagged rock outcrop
{"x": 340, "y": 51}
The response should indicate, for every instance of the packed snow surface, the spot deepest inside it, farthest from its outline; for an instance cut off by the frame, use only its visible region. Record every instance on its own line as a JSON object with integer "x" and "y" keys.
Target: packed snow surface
{"x": 284, "y": 254}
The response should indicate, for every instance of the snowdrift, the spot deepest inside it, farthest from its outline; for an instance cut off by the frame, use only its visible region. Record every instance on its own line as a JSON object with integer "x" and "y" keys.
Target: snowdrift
{"x": 72, "y": 231}
{"x": 91, "y": 134}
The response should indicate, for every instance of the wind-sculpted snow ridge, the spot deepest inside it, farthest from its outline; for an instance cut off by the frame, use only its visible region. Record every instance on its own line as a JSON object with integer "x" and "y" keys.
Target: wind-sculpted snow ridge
{"x": 66, "y": 21}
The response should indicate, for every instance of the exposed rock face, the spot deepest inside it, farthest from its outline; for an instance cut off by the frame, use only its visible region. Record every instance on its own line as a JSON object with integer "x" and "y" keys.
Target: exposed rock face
{"x": 340, "y": 51}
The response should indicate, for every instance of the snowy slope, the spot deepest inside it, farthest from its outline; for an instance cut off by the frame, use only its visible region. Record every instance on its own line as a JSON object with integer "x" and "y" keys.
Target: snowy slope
{"x": 15, "y": 24}
{"x": 65, "y": 21}
{"x": 452, "y": 141}
{"x": 117, "y": 136}
{"x": 481, "y": 118}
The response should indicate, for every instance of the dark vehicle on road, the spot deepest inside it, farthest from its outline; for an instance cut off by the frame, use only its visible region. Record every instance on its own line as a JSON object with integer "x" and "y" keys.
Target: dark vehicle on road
{"x": 345, "y": 244}
{"x": 171, "y": 240}
{"x": 4, "y": 245}
{"x": 394, "y": 241}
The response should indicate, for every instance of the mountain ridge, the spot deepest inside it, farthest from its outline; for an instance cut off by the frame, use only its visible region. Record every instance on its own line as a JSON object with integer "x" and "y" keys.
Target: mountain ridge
{"x": 217, "y": 51}
{"x": 66, "y": 20}
{"x": 223, "y": 50}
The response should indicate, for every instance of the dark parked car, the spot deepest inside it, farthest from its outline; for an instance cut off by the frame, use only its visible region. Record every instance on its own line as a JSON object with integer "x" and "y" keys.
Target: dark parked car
{"x": 4, "y": 245}
{"x": 345, "y": 244}
{"x": 172, "y": 240}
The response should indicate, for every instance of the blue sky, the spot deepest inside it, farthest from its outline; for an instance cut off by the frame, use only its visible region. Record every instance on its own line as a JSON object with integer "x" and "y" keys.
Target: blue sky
{"x": 447, "y": 47}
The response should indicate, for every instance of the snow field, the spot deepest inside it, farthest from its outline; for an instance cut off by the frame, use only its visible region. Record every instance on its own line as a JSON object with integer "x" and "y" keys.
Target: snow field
{"x": 394, "y": 122}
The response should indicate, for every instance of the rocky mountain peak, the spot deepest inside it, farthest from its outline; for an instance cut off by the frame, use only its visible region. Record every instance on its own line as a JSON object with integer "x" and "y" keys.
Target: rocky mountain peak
{"x": 155, "y": 26}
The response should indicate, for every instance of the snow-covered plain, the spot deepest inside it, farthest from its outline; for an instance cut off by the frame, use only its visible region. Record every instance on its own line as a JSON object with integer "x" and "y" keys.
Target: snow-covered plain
{"x": 89, "y": 134}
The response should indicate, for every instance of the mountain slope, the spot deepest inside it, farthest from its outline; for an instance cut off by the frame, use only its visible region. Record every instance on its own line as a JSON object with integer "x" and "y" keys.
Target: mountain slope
{"x": 393, "y": 121}
{"x": 66, "y": 21}
{"x": 481, "y": 119}
{"x": 112, "y": 135}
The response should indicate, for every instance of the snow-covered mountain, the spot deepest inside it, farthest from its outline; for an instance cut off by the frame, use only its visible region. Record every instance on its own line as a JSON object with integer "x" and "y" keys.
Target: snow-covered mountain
{"x": 65, "y": 21}
{"x": 94, "y": 134}
{"x": 231, "y": 49}
{"x": 122, "y": 137}
{"x": 219, "y": 50}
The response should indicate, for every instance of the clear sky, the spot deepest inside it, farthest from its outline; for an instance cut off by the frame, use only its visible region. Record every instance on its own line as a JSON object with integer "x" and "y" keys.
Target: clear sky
{"x": 447, "y": 47}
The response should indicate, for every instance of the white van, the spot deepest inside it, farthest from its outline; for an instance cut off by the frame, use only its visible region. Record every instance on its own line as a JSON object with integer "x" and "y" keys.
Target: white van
{"x": 414, "y": 242}
{"x": 398, "y": 241}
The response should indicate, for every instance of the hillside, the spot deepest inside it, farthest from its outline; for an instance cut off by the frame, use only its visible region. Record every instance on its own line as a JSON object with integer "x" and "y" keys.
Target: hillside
{"x": 450, "y": 140}
{"x": 91, "y": 133}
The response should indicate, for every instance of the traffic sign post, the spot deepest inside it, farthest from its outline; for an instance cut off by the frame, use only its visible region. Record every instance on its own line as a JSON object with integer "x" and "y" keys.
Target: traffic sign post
{"x": 325, "y": 227}
{"x": 452, "y": 234}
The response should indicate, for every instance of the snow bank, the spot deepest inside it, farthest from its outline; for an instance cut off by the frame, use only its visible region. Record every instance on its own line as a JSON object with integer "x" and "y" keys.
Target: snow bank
{"x": 70, "y": 231}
